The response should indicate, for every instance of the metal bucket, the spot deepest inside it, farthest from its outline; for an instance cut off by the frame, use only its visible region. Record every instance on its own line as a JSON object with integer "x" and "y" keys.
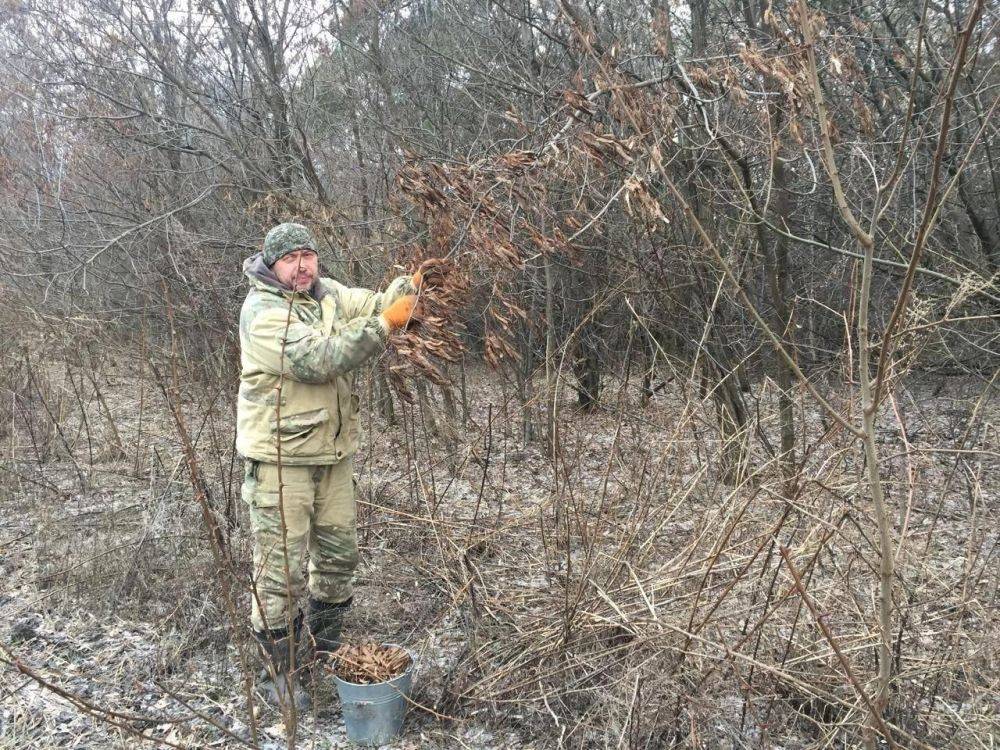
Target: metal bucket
{"x": 373, "y": 714}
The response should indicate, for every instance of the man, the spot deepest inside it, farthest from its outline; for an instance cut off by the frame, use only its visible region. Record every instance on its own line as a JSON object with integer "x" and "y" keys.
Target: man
{"x": 302, "y": 339}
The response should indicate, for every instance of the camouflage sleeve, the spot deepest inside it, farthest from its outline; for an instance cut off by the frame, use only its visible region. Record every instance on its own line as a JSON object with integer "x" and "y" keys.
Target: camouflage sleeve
{"x": 363, "y": 302}
{"x": 310, "y": 356}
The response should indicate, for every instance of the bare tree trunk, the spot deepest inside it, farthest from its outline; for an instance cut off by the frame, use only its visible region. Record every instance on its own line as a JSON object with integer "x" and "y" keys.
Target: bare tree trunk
{"x": 365, "y": 205}
{"x": 778, "y": 282}
{"x": 463, "y": 390}
{"x": 426, "y": 407}
{"x": 868, "y": 398}
{"x": 526, "y": 395}
{"x": 383, "y": 396}
{"x": 551, "y": 372}
{"x": 649, "y": 347}
{"x": 587, "y": 366}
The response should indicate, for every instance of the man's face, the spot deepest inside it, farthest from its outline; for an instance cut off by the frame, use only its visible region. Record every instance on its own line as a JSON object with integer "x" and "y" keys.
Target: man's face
{"x": 297, "y": 270}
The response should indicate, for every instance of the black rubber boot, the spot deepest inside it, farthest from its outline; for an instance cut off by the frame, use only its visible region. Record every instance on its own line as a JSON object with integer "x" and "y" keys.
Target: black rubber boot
{"x": 325, "y": 622}
{"x": 280, "y": 683}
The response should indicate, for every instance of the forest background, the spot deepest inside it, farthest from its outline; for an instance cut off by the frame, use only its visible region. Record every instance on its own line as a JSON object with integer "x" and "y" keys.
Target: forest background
{"x": 697, "y": 449}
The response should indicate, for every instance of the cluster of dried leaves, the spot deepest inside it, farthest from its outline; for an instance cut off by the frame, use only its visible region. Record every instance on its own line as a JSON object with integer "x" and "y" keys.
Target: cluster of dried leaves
{"x": 484, "y": 220}
{"x": 369, "y": 663}
{"x": 435, "y": 338}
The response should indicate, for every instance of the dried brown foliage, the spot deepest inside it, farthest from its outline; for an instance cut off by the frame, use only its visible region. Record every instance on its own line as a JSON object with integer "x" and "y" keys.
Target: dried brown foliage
{"x": 483, "y": 219}
{"x": 369, "y": 663}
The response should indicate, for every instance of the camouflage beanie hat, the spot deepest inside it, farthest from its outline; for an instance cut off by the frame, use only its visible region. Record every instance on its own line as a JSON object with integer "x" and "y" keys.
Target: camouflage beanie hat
{"x": 285, "y": 238}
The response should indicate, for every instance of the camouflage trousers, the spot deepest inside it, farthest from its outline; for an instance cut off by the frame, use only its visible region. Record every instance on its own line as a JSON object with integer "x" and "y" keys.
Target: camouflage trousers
{"x": 319, "y": 516}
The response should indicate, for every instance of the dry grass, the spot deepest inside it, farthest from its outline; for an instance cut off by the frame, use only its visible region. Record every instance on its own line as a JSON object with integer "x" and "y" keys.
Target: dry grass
{"x": 617, "y": 594}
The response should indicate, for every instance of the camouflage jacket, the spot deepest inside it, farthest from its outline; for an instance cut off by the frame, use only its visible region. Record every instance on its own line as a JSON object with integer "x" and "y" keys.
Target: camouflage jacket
{"x": 330, "y": 334}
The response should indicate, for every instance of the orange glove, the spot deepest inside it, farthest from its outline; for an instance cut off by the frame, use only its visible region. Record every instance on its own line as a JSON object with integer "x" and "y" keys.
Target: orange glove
{"x": 431, "y": 271}
{"x": 400, "y": 312}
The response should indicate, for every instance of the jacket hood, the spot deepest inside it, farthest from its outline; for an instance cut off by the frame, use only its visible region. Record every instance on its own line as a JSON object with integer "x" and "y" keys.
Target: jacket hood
{"x": 255, "y": 269}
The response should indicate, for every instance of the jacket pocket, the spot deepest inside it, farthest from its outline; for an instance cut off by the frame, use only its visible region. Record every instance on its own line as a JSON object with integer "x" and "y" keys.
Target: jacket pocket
{"x": 261, "y": 499}
{"x": 258, "y": 487}
{"x": 300, "y": 425}
{"x": 302, "y": 435}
